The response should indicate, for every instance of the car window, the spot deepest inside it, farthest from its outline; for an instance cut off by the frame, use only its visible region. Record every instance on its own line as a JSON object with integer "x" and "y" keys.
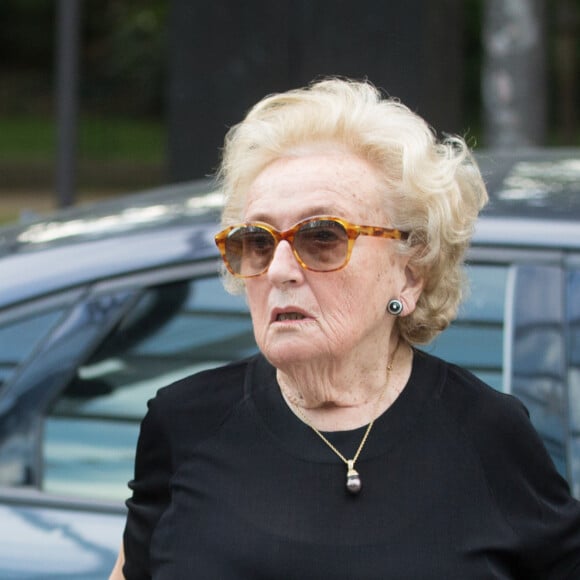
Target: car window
{"x": 172, "y": 331}
{"x": 20, "y": 336}
{"x": 475, "y": 340}
{"x": 539, "y": 354}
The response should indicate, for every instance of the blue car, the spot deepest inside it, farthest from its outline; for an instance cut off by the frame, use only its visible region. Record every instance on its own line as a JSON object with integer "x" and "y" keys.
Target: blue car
{"x": 103, "y": 305}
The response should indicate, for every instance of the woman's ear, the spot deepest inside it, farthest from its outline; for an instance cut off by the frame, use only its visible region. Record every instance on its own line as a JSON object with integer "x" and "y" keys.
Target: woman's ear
{"x": 412, "y": 289}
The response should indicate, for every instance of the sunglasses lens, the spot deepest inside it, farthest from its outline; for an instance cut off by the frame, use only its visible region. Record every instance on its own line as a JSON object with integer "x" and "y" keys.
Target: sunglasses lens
{"x": 249, "y": 250}
{"x": 322, "y": 244}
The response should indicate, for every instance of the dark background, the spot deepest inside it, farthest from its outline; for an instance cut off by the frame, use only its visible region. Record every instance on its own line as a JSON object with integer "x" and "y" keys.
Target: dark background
{"x": 413, "y": 50}
{"x": 161, "y": 81}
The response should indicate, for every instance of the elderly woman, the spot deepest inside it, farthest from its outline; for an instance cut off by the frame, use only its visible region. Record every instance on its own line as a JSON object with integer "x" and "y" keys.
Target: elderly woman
{"x": 340, "y": 451}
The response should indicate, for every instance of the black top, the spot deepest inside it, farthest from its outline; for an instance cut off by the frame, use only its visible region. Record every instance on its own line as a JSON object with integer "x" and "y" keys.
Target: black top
{"x": 229, "y": 484}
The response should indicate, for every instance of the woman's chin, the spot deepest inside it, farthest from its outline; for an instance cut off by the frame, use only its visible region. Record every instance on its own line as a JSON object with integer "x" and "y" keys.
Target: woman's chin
{"x": 284, "y": 353}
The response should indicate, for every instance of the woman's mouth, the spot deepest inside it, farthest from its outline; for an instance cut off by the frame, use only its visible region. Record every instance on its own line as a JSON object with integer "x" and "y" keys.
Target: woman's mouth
{"x": 289, "y": 316}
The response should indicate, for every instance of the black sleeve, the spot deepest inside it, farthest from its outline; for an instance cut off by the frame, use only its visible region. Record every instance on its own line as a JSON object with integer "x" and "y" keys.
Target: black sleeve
{"x": 150, "y": 486}
{"x": 534, "y": 498}
{"x": 179, "y": 416}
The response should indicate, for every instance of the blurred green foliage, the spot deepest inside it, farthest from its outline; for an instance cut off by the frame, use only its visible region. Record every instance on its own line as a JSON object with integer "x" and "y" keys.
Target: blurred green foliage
{"x": 100, "y": 138}
{"x": 121, "y": 91}
{"x": 122, "y": 57}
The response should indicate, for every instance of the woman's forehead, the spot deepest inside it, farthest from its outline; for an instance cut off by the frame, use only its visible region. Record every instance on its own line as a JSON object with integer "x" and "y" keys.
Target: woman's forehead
{"x": 316, "y": 184}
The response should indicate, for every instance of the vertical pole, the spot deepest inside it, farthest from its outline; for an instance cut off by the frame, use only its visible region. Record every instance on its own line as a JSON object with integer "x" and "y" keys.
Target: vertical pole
{"x": 68, "y": 34}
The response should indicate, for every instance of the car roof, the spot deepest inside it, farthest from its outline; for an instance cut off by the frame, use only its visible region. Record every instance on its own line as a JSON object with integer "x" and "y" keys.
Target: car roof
{"x": 171, "y": 205}
{"x": 534, "y": 198}
{"x": 161, "y": 227}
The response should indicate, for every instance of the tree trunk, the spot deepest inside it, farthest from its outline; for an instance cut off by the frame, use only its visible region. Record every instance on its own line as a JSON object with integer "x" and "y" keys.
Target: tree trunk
{"x": 514, "y": 73}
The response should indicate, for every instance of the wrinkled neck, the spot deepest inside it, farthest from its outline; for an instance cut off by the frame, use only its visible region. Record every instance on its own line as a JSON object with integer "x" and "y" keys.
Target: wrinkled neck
{"x": 333, "y": 397}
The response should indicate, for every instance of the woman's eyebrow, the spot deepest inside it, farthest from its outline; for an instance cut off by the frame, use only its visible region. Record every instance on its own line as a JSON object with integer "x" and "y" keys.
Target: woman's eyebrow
{"x": 306, "y": 213}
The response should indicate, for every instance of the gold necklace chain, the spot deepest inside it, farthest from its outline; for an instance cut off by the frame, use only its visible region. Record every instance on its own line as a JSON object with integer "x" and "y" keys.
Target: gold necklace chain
{"x": 353, "y": 481}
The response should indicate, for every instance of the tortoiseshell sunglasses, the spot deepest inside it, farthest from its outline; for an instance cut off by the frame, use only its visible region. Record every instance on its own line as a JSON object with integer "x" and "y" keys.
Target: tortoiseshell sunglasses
{"x": 320, "y": 244}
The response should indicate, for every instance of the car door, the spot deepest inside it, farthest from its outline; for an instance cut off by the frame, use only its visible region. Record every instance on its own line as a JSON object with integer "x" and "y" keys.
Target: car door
{"x": 80, "y": 391}
{"x": 41, "y": 536}
{"x": 514, "y": 332}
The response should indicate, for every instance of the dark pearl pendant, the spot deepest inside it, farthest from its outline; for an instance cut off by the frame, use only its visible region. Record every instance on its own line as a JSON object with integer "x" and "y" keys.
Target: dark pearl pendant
{"x": 353, "y": 482}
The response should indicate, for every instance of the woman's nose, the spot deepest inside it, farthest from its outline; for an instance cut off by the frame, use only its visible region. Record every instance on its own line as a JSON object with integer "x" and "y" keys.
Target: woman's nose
{"x": 284, "y": 266}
